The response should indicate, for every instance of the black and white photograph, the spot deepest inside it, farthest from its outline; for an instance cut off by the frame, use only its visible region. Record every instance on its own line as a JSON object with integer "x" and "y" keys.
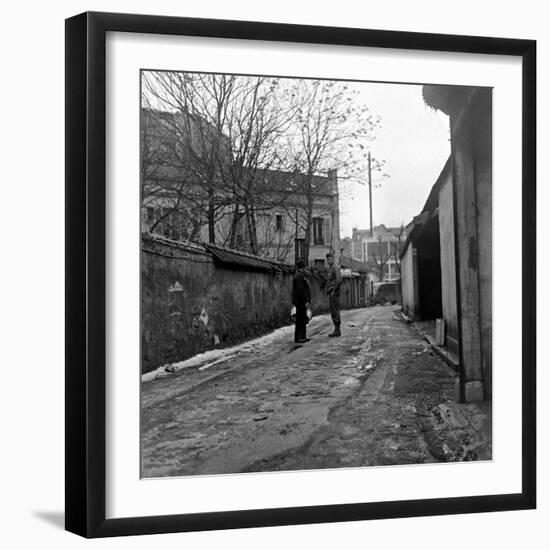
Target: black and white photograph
{"x": 316, "y": 273}
{"x": 274, "y": 275}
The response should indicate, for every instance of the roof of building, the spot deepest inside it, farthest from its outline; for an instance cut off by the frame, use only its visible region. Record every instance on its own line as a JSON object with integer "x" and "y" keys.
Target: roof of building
{"x": 430, "y": 208}
{"x": 433, "y": 200}
{"x": 220, "y": 253}
{"x": 381, "y": 228}
{"x": 445, "y": 98}
{"x": 173, "y": 169}
{"x": 244, "y": 259}
{"x": 280, "y": 180}
{"x": 354, "y": 265}
{"x": 152, "y": 118}
{"x": 181, "y": 244}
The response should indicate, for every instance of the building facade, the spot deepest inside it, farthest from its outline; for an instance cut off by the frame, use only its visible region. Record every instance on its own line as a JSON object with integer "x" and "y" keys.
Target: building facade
{"x": 192, "y": 191}
{"x": 360, "y": 288}
{"x": 380, "y": 249}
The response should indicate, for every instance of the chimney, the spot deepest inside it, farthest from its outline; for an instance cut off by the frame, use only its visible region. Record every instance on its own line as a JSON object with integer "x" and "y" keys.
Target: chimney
{"x": 332, "y": 176}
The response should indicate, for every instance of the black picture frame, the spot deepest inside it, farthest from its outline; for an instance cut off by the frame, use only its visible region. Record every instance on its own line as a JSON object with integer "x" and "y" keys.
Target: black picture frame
{"x": 86, "y": 274}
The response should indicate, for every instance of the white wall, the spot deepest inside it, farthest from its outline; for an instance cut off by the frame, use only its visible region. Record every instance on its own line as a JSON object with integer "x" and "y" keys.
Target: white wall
{"x": 32, "y": 99}
{"x": 448, "y": 267}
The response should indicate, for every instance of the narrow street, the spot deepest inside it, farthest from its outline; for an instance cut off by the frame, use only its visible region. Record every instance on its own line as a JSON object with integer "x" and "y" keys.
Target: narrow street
{"x": 376, "y": 396}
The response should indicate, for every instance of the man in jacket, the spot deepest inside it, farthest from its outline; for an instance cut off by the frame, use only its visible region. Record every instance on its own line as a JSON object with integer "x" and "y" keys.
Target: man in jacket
{"x": 334, "y": 281}
{"x": 301, "y": 296}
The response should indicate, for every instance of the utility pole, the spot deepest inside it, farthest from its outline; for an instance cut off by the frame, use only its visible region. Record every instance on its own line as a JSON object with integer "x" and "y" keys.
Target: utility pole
{"x": 370, "y": 196}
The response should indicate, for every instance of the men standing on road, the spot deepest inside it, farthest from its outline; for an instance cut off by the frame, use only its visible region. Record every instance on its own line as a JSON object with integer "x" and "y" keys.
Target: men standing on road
{"x": 301, "y": 296}
{"x": 334, "y": 280}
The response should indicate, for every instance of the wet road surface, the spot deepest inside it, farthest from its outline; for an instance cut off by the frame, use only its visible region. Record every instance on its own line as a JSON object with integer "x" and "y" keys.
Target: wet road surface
{"x": 377, "y": 395}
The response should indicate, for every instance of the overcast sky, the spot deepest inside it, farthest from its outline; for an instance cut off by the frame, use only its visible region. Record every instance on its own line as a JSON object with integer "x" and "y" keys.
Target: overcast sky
{"x": 414, "y": 141}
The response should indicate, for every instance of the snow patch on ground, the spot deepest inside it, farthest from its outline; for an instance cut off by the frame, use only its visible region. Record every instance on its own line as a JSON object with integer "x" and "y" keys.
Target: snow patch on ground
{"x": 212, "y": 357}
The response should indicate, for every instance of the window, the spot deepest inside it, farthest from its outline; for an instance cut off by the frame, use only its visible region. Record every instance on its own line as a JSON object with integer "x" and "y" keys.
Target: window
{"x": 167, "y": 222}
{"x": 158, "y": 221}
{"x": 300, "y": 249}
{"x": 177, "y": 224}
{"x": 319, "y": 264}
{"x": 240, "y": 232}
{"x": 279, "y": 222}
{"x": 318, "y": 234}
{"x": 150, "y": 215}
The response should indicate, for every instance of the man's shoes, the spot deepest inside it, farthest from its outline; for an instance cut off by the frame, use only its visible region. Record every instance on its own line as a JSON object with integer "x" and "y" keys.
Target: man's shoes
{"x": 335, "y": 333}
{"x": 302, "y": 340}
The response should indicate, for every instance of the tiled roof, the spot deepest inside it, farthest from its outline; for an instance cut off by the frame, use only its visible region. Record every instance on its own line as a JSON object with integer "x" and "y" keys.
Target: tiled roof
{"x": 244, "y": 259}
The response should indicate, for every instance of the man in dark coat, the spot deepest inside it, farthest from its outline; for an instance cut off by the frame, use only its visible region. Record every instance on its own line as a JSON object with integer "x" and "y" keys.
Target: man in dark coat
{"x": 301, "y": 296}
{"x": 334, "y": 281}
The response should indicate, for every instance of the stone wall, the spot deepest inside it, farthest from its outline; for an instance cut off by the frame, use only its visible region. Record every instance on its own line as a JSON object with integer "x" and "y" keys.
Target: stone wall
{"x": 190, "y": 303}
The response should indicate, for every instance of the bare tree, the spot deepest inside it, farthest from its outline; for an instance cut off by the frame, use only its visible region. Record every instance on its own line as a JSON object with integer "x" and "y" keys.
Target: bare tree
{"x": 190, "y": 111}
{"x": 229, "y": 149}
{"x": 397, "y": 246}
{"x": 381, "y": 257}
{"x": 225, "y": 131}
{"x": 258, "y": 121}
{"x": 276, "y": 234}
{"x": 331, "y": 132}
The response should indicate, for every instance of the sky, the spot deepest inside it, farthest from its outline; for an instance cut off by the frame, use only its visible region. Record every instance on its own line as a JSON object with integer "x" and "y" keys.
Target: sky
{"x": 413, "y": 140}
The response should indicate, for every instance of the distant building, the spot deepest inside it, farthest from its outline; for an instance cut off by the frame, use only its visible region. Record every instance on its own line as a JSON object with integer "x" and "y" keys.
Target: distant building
{"x": 380, "y": 250}
{"x": 359, "y": 289}
{"x": 346, "y": 247}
